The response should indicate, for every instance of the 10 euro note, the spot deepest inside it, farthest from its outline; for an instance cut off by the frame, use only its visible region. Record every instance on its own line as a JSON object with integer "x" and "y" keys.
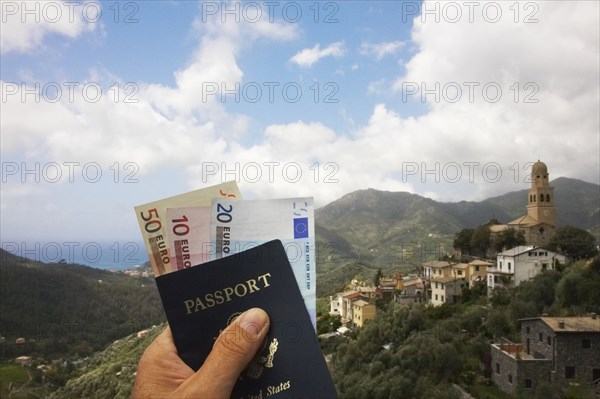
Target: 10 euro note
{"x": 236, "y": 226}
{"x": 189, "y": 236}
{"x": 152, "y": 220}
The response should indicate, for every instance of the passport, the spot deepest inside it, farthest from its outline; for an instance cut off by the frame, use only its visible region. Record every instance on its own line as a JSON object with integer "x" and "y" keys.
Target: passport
{"x": 202, "y": 300}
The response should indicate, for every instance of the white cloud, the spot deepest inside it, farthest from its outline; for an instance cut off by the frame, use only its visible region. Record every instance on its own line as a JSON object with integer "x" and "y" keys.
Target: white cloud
{"x": 309, "y": 56}
{"x": 25, "y": 24}
{"x": 175, "y": 127}
{"x": 380, "y": 50}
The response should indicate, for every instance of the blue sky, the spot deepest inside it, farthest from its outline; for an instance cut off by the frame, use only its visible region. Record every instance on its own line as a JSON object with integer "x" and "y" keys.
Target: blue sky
{"x": 373, "y": 59}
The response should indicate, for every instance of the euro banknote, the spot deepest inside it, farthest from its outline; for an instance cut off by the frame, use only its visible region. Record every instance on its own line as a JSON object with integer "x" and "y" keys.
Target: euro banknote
{"x": 188, "y": 230}
{"x": 236, "y": 226}
{"x": 152, "y": 220}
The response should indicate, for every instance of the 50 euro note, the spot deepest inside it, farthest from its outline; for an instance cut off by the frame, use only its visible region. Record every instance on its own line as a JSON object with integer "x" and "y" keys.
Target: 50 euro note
{"x": 152, "y": 219}
{"x": 236, "y": 226}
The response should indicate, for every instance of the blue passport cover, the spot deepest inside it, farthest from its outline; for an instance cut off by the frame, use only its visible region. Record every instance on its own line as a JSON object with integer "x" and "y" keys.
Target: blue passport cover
{"x": 201, "y": 301}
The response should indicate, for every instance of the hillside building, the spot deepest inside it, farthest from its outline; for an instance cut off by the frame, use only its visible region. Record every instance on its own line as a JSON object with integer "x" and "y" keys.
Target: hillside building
{"x": 539, "y": 223}
{"x": 520, "y": 264}
{"x": 446, "y": 290}
{"x": 354, "y": 306}
{"x": 362, "y": 311}
{"x": 477, "y": 272}
{"x": 563, "y": 350}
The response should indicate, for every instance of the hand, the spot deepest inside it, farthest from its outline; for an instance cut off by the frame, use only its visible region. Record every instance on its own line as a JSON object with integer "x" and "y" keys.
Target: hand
{"x": 162, "y": 374}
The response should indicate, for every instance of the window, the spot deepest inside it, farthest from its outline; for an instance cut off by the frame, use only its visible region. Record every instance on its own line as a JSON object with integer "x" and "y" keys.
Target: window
{"x": 533, "y": 197}
{"x": 510, "y": 378}
{"x": 500, "y": 265}
{"x": 476, "y": 268}
{"x": 436, "y": 297}
{"x": 586, "y": 343}
{"x": 436, "y": 286}
{"x": 442, "y": 298}
{"x": 569, "y": 372}
{"x": 529, "y": 253}
{"x": 547, "y": 197}
{"x": 549, "y": 340}
{"x": 509, "y": 265}
{"x": 460, "y": 272}
{"x": 541, "y": 337}
{"x": 528, "y": 384}
{"x": 497, "y": 368}
{"x": 542, "y": 198}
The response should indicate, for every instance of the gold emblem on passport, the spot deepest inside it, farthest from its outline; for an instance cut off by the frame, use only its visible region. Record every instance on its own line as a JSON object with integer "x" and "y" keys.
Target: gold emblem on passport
{"x": 261, "y": 360}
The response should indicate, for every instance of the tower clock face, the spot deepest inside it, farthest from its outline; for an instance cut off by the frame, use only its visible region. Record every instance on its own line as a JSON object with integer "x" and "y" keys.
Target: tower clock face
{"x": 546, "y": 213}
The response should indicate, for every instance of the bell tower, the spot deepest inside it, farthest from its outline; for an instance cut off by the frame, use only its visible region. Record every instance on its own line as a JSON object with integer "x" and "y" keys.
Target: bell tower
{"x": 541, "y": 196}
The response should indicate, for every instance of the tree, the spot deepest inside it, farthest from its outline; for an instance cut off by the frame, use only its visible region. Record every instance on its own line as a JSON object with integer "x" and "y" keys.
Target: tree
{"x": 462, "y": 240}
{"x": 508, "y": 238}
{"x": 481, "y": 239}
{"x": 377, "y": 278}
{"x": 574, "y": 243}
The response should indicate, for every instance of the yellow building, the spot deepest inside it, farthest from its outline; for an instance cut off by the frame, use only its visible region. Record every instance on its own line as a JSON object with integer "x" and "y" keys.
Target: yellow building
{"x": 362, "y": 311}
{"x": 478, "y": 271}
{"x": 437, "y": 269}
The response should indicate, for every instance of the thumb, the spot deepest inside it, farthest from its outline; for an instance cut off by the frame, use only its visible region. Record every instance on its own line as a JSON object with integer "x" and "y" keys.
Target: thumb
{"x": 232, "y": 352}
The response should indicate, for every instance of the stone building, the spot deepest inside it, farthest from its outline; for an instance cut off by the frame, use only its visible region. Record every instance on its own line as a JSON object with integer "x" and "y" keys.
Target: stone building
{"x": 563, "y": 350}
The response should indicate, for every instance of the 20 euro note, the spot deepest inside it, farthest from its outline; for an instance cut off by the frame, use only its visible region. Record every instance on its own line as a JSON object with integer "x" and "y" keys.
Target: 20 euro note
{"x": 236, "y": 226}
{"x": 151, "y": 219}
{"x": 188, "y": 236}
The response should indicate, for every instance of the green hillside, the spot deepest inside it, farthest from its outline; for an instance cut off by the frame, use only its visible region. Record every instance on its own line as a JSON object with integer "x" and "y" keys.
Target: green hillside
{"x": 397, "y": 231}
{"x": 70, "y": 310}
{"x": 109, "y": 374}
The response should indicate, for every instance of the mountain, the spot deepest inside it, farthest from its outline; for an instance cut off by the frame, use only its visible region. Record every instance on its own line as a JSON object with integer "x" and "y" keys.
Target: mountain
{"x": 69, "y": 309}
{"x": 397, "y": 231}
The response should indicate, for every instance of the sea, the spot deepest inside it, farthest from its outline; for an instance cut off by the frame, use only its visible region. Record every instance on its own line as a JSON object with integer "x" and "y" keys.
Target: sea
{"x": 112, "y": 255}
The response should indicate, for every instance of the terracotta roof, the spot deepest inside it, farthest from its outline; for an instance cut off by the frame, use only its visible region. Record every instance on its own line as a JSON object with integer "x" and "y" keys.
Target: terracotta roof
{"x": 413, "y": 282}
{"x": 480, "y": 262}
{"x": 437, "y": 264}
{"x": 525, "y": 220}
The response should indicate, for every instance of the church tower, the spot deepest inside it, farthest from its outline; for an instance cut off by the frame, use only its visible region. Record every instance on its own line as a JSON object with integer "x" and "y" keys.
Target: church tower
{"x": 541, "y": 196}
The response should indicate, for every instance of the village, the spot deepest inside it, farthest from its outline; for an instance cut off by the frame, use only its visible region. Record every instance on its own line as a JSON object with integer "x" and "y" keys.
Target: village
{"x": 557, "y": 348}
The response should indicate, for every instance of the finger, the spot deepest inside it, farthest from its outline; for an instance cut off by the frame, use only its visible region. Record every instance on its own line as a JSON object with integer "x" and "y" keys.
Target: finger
{"x": 232, "y": 352}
